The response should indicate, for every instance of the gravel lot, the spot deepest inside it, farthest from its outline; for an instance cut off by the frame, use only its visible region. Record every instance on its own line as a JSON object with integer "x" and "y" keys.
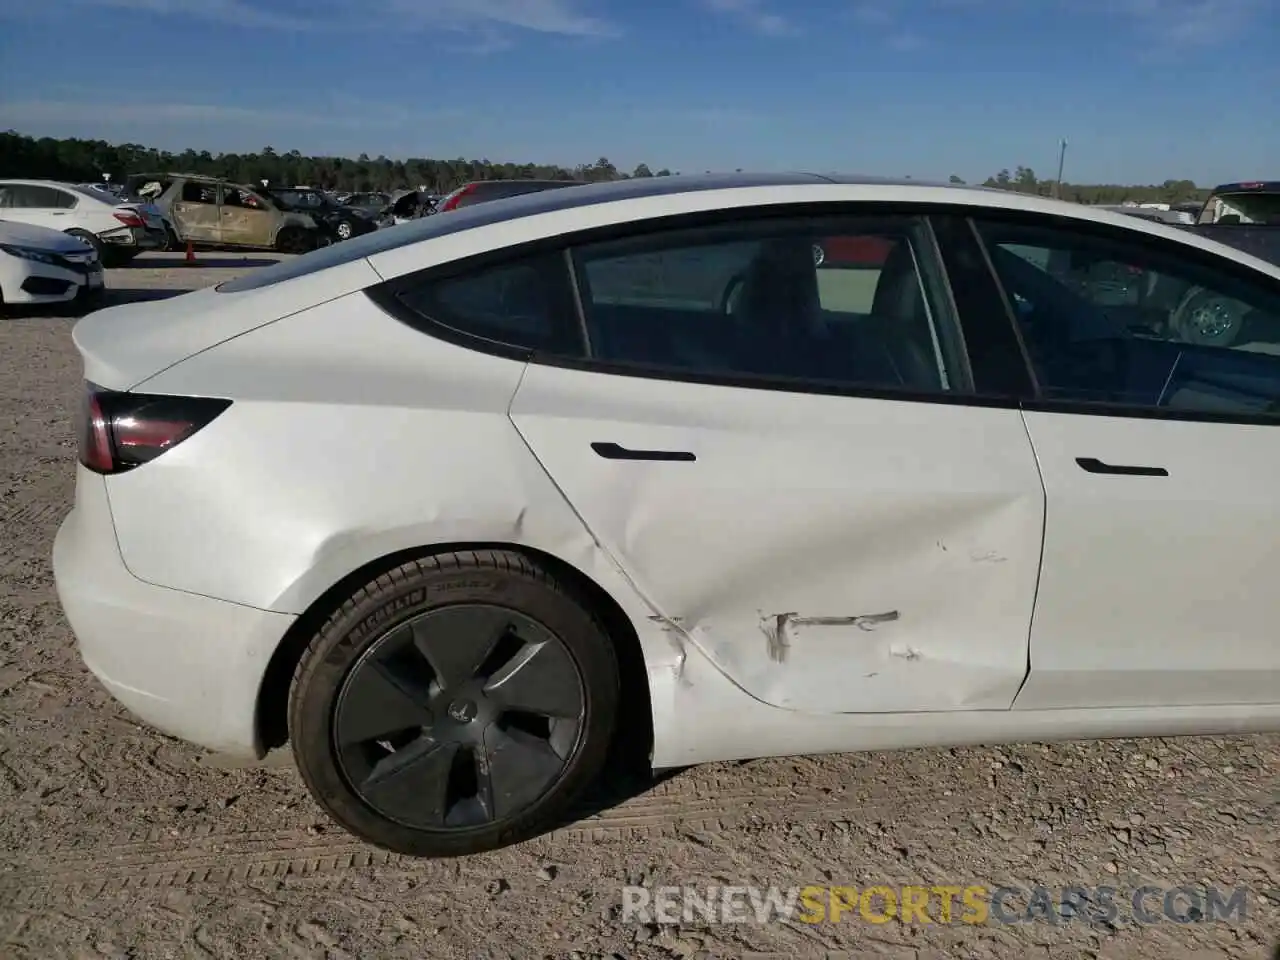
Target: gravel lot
{"x": 124, "y": 843}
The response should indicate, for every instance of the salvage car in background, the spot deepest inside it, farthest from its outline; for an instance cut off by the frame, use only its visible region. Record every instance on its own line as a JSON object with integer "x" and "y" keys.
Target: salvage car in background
{"x": 601, "y": 494}
{"x": 406, "y": 205}
{"x": 209, "y": 212}
{"x": 340, "y": 221}
{"x": 482, "y": 191}
{"x": 117, "y": 231}
{"x": 39, "y": 266}
{"x": 1245, "y": 215}
{"x": 372, "y": 203}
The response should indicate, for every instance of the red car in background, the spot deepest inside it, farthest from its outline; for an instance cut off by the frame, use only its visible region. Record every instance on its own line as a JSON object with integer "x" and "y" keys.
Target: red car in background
{"x": 852, "y": 252}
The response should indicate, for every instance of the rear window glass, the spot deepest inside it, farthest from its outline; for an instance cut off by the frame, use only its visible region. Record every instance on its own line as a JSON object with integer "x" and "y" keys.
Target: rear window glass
{"x": 1260, "y": 207}
{"x": 527, "y": 303}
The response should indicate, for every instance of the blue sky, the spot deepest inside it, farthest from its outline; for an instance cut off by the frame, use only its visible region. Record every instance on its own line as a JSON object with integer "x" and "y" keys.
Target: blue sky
{"x": 1144, "y": 90}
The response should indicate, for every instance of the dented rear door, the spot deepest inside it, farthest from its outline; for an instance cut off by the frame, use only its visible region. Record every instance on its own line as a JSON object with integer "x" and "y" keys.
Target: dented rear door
{"x": 829, "y": 553}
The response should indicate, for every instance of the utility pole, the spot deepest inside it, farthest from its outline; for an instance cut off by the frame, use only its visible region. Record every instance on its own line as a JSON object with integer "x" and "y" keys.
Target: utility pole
{"x": 1062, "y": 159}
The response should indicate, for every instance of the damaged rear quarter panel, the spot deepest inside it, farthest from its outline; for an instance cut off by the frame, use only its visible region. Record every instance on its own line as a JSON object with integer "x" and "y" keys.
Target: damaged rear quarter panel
{"x": 829, "y": 554}
{"x": 350, "y": 437}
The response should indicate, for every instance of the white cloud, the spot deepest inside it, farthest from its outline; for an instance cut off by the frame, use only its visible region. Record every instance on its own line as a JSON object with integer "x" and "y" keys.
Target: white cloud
{"x": 905, "y": 41}
{"x": 1176, "y": 24}
{"x": 1194, "y": 23}
{"x": 541, "y": 16}
{"x": 885, "y": 17}
{"x": 873, "y": 13}
{"x": 226, "y": 11}
{"x": 344, "y": 112}
{"x": 562, "y": 17}
{"x": 755, "y": 16}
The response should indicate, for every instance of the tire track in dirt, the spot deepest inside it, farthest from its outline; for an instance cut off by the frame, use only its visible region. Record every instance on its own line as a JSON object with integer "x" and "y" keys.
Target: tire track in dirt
{"x": 704, "y": 803}
{"x": 36, "y": 517}
{"x": 207, "y": 854}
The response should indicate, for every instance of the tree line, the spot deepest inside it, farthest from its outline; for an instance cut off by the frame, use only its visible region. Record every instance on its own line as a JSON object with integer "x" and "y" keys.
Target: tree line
{"x": 82, "y": 161}
{"x": 1024, "y": 180}
{"x": 79, "y": 161}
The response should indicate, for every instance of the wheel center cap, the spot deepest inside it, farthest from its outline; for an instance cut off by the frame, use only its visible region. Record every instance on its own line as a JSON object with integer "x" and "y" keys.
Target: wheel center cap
{"x": 463, "y": 711}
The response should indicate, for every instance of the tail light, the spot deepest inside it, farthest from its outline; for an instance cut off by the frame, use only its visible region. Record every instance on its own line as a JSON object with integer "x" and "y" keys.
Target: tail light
{"x": 120, "y": 431}
{"x": 452, "y": 200}
{"x": 130, "y": 218}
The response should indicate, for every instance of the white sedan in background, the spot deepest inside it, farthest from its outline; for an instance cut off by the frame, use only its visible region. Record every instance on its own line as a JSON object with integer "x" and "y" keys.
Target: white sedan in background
{"x": 726, "y": 467}
{"x": 39, "y": 266}
{"x": 117, "y": 231}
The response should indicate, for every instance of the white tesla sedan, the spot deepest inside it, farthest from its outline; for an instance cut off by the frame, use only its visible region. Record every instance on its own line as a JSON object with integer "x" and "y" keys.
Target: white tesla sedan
{"x": 750, "y": 465}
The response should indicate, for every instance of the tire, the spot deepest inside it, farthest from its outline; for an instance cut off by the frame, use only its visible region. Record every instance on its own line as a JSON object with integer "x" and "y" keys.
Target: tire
{"x": 173, "y": 242}
{"x": 506, "y": 647}
{"x": 293, "y": 240}
{"x": 94, "y": 241}
{"x": 344, "y": 230}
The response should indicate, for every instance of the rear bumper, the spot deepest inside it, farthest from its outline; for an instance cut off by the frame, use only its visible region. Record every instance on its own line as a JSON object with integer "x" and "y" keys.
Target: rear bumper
{"x": 136, "y": 238}
{"x": 189, "y": 665}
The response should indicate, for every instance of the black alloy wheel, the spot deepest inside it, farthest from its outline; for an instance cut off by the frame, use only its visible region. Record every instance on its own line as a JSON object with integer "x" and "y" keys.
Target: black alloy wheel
{"x": 455, "y": 705}
{"x": 460, "y": 717}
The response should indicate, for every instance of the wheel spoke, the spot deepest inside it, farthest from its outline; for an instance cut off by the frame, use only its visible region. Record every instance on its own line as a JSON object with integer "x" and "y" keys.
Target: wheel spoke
{"x": 564, "y": 734}
{"x": 515, "y": 770}
{"x": 540, "y": 679}
{"x": 412, "y": 784}
{"x": 456, "y": 642}
{"x": 376, "y": 704}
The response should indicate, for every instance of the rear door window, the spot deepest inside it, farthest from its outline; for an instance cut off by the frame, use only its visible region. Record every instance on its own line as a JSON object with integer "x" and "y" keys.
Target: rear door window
{"x": 839, "y": 301}
{"x": 30, "y": 196}
{"x": 199, "y": 193}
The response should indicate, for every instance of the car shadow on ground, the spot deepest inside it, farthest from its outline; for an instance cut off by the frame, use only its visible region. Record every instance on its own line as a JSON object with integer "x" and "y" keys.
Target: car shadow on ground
{"x": 170, "y": 261}
{"x": 111, "y": 298}
{"x": 613, "y": 789}
{"x": 116, "y": 296}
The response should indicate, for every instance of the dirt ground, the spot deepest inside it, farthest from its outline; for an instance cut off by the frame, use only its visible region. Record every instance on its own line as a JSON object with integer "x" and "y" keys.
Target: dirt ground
{"x": 123, "y": 843}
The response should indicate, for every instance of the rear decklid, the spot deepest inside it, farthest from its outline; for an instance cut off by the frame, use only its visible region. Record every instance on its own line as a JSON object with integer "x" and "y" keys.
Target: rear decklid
{"x": 126, "y": 345}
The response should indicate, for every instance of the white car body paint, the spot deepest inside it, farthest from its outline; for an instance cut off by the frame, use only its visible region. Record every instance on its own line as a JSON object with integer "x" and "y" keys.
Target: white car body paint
{"x": 164, "y": 332}
{"x": 93, "y": 211}
{"x": 29, "y": 253}
{"x": 1157, "y": 593}
{"x": 765, "y": 629}
{"x": 802, "y": 507}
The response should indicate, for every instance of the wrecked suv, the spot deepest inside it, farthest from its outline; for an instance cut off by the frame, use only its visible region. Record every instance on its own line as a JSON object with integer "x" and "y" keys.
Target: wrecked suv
{"x": 206, "y": 211}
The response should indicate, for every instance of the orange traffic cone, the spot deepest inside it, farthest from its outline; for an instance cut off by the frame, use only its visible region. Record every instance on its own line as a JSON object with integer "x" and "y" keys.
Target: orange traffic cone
{"x": 191, "y": 253}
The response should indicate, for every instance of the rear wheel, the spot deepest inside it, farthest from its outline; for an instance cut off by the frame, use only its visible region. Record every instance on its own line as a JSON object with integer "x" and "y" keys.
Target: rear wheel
{"x": 457, "y": 704}
{"x": 294, "y": 240}
{"x": 343, "y": 230}
{"x": 94, "y": 241}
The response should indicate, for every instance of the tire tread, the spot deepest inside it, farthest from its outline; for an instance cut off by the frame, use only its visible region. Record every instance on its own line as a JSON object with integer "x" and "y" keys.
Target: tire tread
{"x": 381, "y": 588}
